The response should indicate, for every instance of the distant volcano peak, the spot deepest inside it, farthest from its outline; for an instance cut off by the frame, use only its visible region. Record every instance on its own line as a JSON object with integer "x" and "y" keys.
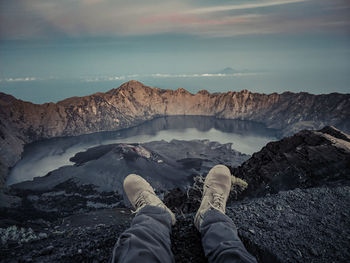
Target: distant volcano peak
{"x": 227, "y": 70}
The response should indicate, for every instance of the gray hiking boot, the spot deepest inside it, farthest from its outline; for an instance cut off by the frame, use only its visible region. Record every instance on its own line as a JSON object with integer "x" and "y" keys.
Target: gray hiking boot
{"x": 141, "y": 193}
{"x": 216, "y": 189}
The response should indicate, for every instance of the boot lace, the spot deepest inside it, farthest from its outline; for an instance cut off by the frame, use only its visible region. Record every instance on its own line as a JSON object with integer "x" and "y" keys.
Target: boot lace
{"x": 218, "y": 201}
{"x": 139, "y": 203}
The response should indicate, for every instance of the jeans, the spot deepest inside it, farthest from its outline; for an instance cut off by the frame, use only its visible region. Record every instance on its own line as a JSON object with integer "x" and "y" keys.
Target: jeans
{"x": 148, "y": 239}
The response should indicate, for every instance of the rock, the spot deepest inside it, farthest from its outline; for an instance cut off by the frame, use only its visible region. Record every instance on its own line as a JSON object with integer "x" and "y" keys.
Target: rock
{"x": 313, "y": 252}
{"x": 28, "y": 259}
{"x": 306, "y": 159}
{"x": 14, "y": 235}
{"x": 279, "y": 208}
{"x": 7, "y": 200}
{"x": 46, "y": 251}
{"x": 42, "y": 235}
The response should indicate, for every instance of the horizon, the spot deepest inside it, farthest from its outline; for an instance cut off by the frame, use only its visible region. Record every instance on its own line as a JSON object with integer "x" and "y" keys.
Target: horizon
{"x": 180, "y": 88}
{"x": 52, "y": 50}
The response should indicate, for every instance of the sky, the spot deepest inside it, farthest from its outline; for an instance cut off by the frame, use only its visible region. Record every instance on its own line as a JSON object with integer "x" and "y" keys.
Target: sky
{"x": 97, "y": 40}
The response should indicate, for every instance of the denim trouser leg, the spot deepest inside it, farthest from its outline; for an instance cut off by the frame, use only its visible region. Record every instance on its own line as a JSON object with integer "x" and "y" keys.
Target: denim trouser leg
{"x": 220, "y": 240}
{"x": 147, "y": 239}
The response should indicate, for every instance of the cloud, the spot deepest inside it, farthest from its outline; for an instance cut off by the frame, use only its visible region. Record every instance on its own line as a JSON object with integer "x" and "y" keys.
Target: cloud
{"x": 164, "y": 75}
{"x": 24, "y": 79}
{"x": 91, "y": 18}
{"x": 242, "y": 6}
{"x": 136, "y": 76}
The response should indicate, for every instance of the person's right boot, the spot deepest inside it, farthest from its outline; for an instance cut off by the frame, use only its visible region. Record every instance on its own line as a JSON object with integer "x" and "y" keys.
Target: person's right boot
{"x": 140, "y": 193}
{"x": 216, "y": 189}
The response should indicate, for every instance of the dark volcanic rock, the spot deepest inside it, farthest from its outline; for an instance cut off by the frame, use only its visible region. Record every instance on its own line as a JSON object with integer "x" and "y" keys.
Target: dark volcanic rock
{"x": 23, "y": 122}
{"x": 102, "y": 169}
{"x": 86, "y": 237}
{"x": 306, "y": 159}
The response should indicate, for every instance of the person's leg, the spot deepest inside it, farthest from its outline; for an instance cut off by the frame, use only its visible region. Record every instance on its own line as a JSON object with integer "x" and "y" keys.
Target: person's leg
{"x": 220, "y": 240}
{"x": 219, "y": 234}
{"x": 148, "y": 238}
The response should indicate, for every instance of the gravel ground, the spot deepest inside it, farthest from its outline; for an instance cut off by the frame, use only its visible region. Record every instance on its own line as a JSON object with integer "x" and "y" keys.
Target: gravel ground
{"x": 302, "y": 225}
{"x": 308, "y": 225}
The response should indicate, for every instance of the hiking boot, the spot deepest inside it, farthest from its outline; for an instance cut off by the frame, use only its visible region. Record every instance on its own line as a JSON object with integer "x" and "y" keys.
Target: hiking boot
{"x": 140, "y": 193}
{"x": 216, "y": 189}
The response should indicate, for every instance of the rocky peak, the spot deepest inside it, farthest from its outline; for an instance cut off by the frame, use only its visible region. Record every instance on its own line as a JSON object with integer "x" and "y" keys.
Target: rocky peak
{"x": 306, "y": 159}
{"x": 182, "y": 91}
{"x": 245, "y": 91}
{"x": 203, "y": 92}
{"x": 132, "y": 84}
{"x": 129, "y": 86}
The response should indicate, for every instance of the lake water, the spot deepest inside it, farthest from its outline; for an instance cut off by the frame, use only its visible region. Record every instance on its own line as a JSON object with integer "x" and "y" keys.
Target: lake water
{"x": 41, "y": 157}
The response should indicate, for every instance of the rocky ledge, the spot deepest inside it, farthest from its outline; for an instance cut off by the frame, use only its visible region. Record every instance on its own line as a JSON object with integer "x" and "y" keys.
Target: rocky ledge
{"x": 24, "y": 122}
{"x": 306, "y": 159}
{"x": 302, "y": 218}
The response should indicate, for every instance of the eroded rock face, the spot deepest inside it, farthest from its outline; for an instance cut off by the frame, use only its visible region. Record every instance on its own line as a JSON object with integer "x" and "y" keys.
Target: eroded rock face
{"x": 306, "y": 159}
{"x": 23, "y": 122}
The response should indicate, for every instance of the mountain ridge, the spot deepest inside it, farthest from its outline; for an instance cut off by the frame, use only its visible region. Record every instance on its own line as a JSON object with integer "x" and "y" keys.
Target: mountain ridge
{"x": 133, "y": 102}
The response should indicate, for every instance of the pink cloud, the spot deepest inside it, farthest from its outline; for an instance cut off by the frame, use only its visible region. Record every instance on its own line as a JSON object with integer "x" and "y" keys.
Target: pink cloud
{"x": 182, "y": 19}
{"x": 170, "y": 18}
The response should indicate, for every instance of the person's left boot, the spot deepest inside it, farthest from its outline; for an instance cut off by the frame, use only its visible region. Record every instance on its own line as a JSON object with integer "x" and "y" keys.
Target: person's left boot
{"x": 140, "y": 193}
{"x": 216, "y": 189}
